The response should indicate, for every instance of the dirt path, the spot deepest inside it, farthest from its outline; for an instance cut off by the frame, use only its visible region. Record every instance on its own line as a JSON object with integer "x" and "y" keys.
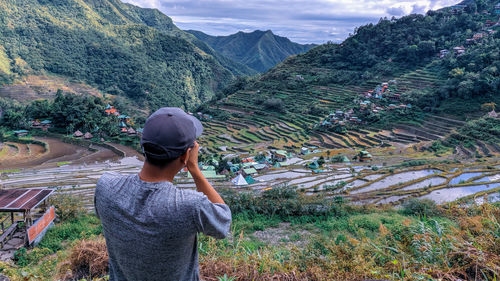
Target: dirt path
{"x": 129, "y": 152}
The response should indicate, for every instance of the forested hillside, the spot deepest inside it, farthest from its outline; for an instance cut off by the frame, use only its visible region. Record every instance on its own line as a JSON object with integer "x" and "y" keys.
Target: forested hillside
{"x": 259, "y": 50}
{"x": 393, "y": 48}
{"x": 120, "y": 48}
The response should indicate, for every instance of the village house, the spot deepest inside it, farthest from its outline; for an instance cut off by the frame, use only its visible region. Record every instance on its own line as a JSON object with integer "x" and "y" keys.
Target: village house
{"x": 364, "y": 156}
{"x": 279, "y": 155}
{"x": 355, "y": 119}
{"x": 111, "y": 110}
{"x": 131, "y": 131}
{"x": 78, "y": 134}
{"x": 139, "y": 132}
{"x": 497, "y": 9}
{"x": 325, "y": 123}
{"x": 443, "y": 53}
{"x": 489, "y": 23}
{"x": 460, "y": 50}
{"x": 299, "y": 77}
{"x": 478, "y": 36}
{"x": 209, "y": 174}
{"x": 249, "y": 172}
{"x": 314, "y": 165}
{"x": 35, "y": 124}
{"x": 20, "y": 133}
{"x": 239, "y": 181}
{"x": 44, "y": 125}
{"x": 493, "y": 114}
{"x": 470, "y": 42}
{"x": 88, "y": 136}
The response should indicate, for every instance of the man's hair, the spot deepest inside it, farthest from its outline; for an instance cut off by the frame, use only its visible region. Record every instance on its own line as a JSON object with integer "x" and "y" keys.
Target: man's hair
{"x": 150, "y": 150}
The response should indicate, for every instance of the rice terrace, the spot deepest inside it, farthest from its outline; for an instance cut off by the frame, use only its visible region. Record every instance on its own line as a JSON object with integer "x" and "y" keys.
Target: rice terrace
{"x": 374, "y": 157}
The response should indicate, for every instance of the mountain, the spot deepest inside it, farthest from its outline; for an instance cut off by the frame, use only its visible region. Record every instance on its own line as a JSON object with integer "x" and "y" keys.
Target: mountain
{"x": 119, "y": 48}
{"x": 259, "y": 50}
{"x": 291, "y": 104}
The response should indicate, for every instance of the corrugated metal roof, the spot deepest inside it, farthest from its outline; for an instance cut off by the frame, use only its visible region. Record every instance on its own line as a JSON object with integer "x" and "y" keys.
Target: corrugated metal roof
{"x": 22, "y": 199}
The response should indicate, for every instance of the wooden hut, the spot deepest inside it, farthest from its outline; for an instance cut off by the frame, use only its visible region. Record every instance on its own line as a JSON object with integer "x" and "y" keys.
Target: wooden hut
{"x": 78, "y": 134}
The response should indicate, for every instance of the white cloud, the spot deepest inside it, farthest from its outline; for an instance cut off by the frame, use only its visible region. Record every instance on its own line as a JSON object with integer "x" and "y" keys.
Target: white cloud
{"x": 309, "y": 21}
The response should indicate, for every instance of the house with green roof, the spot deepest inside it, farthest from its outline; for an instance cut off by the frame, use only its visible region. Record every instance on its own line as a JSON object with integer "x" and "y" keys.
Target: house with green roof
{"x": 280, "y": 155}
{"x": 209, "y": 175}
{"x": 20, "y": 133}
{"x": 249, "y": 171}
{"x": 250, "y": 180}
{"x": 314, "y": 165}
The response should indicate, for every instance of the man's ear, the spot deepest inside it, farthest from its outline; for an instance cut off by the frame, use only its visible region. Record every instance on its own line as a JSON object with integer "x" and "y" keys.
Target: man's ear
{"x": 185, "y": 157}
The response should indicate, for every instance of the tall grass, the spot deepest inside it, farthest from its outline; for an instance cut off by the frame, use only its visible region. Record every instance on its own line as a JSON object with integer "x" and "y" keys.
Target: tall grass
{"x": 328, "y": 240}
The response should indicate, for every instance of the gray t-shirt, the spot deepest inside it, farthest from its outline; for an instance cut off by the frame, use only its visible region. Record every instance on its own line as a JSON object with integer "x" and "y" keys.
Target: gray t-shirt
{"x": 151, "y": 228}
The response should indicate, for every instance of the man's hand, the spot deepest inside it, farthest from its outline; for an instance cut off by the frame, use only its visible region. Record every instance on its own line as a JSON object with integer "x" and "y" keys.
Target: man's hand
{"x": 192, "y": 162}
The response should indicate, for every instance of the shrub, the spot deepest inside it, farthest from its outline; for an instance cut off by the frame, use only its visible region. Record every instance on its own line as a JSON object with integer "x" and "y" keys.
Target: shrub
{"x": 275, "y": 104}
{"x": 24, "y": 258}
{"x": 68, "y": 206}
{"x": 417, "y": 207}
{"x": 282, "y": 201}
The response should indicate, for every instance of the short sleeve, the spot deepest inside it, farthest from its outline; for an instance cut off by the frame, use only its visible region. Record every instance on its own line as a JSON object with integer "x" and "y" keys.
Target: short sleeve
{"x": 212, "y": 219}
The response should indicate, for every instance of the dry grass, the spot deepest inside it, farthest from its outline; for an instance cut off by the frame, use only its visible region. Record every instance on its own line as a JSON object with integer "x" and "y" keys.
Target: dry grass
{"x": 88, "y": 259}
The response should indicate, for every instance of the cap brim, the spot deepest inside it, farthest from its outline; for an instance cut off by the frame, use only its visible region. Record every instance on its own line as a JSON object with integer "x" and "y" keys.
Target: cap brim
{"x": 198, "y": 127}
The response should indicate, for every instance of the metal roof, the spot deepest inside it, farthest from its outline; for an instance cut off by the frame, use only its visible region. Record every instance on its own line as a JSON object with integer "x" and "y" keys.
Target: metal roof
{"x": 19, "y": 200}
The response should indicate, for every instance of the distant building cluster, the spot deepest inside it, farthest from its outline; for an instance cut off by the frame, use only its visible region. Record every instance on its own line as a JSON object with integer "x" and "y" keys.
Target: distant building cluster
{"x": 476, "y": 37}
{"x": 370, "y": 102}
{"x": 125, "y": 122}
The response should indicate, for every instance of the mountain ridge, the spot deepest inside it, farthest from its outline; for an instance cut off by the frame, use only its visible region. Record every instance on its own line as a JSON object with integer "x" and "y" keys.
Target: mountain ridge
{"x": 259, "y": 50}
{"x": 119, "y": 48}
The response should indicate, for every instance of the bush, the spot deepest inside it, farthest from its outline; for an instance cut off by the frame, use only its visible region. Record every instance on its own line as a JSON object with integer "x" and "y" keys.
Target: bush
{"x": 417, "y": 207}
{"x": 68, "y": 206}
{"x": 275, "y": 104}
{"x": 24, "y": 258}
{"x": 84, "y": 226}
{"x": 282, "y": 201}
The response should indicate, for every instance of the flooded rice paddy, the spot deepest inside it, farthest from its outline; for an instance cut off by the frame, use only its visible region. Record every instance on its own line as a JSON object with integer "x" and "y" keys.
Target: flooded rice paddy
{"x": 359, "y": 184}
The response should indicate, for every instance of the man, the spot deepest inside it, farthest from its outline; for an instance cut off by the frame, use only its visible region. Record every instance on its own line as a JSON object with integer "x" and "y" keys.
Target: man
{"x": 151, "y": 226}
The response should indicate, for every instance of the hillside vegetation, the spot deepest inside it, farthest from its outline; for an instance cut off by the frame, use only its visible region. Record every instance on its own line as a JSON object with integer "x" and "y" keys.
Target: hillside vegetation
{"x": 291, "y": 99}
{"x": 391, "y": 48}
{"x": 259, "y": 50}
{"x": 120, "y": 48}
{"x": 283, "y": 235}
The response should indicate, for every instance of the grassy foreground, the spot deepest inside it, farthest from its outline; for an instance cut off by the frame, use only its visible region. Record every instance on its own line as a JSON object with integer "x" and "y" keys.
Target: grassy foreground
{"x": 281, "y": 235}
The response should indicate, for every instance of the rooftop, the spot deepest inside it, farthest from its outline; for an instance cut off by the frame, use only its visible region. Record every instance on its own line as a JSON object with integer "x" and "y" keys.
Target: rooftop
{"x": 20, "y": 200}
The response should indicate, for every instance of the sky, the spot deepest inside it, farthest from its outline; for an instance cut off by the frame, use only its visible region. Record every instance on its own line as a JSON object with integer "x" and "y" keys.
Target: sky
{"x": 305, "y": 21}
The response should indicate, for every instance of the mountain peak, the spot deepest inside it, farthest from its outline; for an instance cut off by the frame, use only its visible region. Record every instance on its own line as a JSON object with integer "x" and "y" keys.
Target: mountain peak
{"x": 259, "y": 49}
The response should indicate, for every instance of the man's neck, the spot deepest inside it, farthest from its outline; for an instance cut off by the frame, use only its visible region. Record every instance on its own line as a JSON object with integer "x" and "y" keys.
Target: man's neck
{"x": 150, "y": 173}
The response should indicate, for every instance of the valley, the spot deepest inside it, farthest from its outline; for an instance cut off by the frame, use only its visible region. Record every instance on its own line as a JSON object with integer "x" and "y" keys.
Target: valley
{"x": 375, "y": 158}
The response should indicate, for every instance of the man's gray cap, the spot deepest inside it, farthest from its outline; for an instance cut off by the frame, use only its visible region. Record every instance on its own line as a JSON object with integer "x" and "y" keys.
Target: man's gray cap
{"x": 172, "y": 130}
